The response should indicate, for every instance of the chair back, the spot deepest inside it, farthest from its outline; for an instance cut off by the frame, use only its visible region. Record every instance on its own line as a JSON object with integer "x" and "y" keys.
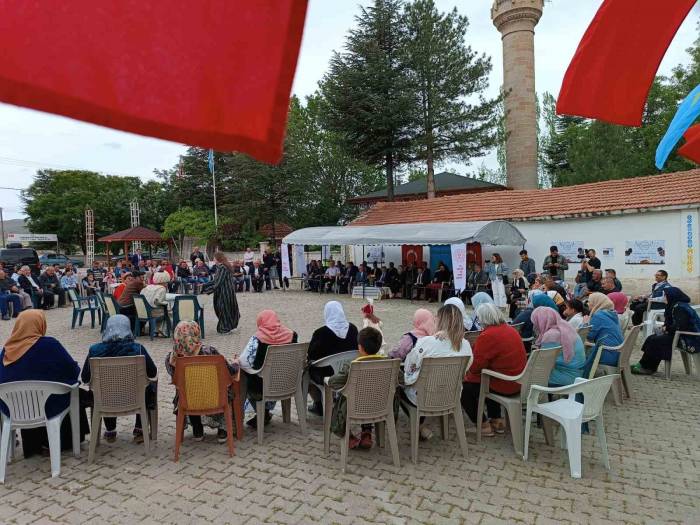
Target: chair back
{"x": 628, "y": 346}
{"x": 111, "y": 304}
{"x": 118, "y": 383}
{"x": 26, "y": 400}
{"x": 594, "y": 393}
{"x": 73, "y": 296}
{"x": 370, "y": 389}
{"x": 518, "y": 327}
{"x": 537, "y": 370}
{"x": 283, "y": 370}
{"x": 202, "y": 383}
{"x": 439, "y": 384}
{"x": 472, "y": 336}
{"x": 142, "y": 306}
{"x": 336, "y": 361}
{"x": 186, "y": 308}
{"x": 583, "y": 332}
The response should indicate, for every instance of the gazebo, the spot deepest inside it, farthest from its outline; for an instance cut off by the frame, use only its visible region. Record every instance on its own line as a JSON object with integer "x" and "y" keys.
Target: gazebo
{"x": 138, "y": 233}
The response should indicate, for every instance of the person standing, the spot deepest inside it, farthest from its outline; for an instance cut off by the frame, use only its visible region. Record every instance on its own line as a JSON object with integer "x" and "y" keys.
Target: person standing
{"x": 527, "y": 265}
{"x": 555, "y": 264}
{"x": 196, "y": 254}
{"x": 224, "y": 288}
{"x": 498, "y": 275}
{"x": 137, "y": 258}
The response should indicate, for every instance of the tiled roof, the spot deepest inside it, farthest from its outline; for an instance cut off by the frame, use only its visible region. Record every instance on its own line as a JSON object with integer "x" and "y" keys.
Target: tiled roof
{"x": 595, "y": 198}
{"x": 281, "y": 230}
{"x": 139, "y": 233}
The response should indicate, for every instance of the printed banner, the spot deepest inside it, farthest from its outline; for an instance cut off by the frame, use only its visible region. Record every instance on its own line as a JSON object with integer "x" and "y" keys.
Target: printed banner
{"x": 285, "y": 261}
{"x": 375, "y": 254}
{"x": 645, "y": 252}
{"x": 32, "y": 237}
{"x": 459, "y": 265}
{"x": 689, "y": 241}
{"x": 299, "y": 259}
{"x": 570, "y": 250}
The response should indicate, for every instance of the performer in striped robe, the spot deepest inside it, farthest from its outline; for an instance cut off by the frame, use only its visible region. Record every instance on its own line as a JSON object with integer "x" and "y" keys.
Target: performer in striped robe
{"x": 225, "y": 303}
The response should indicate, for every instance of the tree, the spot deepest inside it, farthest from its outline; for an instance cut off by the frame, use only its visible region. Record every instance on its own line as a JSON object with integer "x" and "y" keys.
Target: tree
{"x": 367, "y": 100}
{"x": 187, "y": 222}
{"x": 445, "y": 75}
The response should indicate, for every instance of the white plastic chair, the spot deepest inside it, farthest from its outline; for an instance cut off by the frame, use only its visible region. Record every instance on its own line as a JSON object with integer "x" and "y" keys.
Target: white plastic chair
{"x": 26, "y": 402}
{"x": 335, "y": 361}
{"x": 570, "y": 414}
{"x": 685, "y": 356}
{"x": 622, "y": 387}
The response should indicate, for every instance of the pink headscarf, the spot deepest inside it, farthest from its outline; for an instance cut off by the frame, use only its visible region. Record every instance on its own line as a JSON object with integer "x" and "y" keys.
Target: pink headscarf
{"x": 619, "y": 300}
{"x": 551, "y": 328}
{"x": 423, "y": 323}
{"x": 271, "y": 330}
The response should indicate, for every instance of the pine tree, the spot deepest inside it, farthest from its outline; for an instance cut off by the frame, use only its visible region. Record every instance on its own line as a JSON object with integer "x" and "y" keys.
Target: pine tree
{"x": 453, "y": 119}
{"x": 366, "y": 90}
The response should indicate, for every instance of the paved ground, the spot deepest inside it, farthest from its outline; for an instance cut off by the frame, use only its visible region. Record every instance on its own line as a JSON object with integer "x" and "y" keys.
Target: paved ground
{"x": 654, "y": 443}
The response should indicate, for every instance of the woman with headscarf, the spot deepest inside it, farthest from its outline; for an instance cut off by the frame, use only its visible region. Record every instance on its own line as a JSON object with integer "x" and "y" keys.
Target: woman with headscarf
{"x": 29, "y": 355}
{"x": 118, "y": 341}
{"x": 525, "y": 316}
{"x": 619, "y": 301}
{"x": 224, "y": 288}
{"x": 335, "y": 336}
{"x": 467, "y": 319}
{"x": 155, "y": 295}
{"x": 553, "y": 331}
{"x": 187, "y": 342}
{"x": 678, "y": 316}
{"x": 477, "y": 300}
{"x": 423, "y": 326}
{"x": 605, "y": 330}
{"x": 270, "y": 332}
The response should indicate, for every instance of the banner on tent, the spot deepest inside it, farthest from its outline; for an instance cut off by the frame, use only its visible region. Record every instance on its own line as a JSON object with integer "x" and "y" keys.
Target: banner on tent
{"x": 299, "y": 259}
{"x": 284, "y": 249}
{"x": 645, "y": 252}
{"x": 459, "y": 265}
{"x": 375, "y": 254}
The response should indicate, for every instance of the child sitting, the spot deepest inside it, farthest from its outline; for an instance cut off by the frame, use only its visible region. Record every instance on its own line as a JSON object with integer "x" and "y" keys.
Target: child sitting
{"x": 369, "y": 341}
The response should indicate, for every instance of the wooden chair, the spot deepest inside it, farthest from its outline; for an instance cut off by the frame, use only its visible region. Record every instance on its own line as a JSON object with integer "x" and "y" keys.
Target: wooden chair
{"x": 202, "y": 384}
{"x": 118, "y": 385}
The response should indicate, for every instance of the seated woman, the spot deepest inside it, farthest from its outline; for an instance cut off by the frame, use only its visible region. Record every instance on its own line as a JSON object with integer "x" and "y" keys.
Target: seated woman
{"x": 498, "y": 348}
{"x": 467, "y": 320}
{"x": 678, "y": 316}
{"x": 619, "y": 301}
{"x": 440, "y": 280}
{"x": 525, "y": 317}
{"x": 155, "y": 296}
{"x": 518, "y": 293}
{"x": 447, "y": 341}
{"x": 575, "y": 313}
{"x": 270, "y": 332}
{"x": 553, "y": 331}
{"x": 187, "y": 342}
{"x": 477, "y": 300}
{"x": 605, "y": 330}
{"x": 423, "y": 326}
{"x": 29, "y": 355}
{"x": 118, "y": 341}
{"x": 335, "y": 336}
{"x": 90, "y": 285}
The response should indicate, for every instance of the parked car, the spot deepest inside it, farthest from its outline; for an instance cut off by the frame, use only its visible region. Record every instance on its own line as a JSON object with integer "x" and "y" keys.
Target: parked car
{"x": 16, "y": 257}
{"x": 49, "y": 259}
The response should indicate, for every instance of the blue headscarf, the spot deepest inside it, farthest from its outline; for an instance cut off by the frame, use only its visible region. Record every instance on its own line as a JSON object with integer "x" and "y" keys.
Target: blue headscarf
{"x": 117, "y": 340}
{"x": 543, "y": 299}
{"x": 477, "y": 300}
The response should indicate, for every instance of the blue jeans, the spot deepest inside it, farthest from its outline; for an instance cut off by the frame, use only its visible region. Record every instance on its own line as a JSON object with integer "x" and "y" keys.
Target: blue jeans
{"x": 7, "y": 298}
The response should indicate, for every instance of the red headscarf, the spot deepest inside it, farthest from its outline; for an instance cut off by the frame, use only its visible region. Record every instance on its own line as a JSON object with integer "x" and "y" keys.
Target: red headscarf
{"x": 619, "y": 300}
{"x": 368, "y": 311}
{"x": 271, "y": 330}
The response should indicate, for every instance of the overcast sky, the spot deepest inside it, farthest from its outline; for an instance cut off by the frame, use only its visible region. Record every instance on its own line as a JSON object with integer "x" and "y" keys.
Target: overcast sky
{"x": 30, "y": 140}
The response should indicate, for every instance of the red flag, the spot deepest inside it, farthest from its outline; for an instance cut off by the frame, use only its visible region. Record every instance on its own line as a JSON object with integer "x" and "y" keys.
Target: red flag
{"x": 614, "y": 66}
{"x": 691, "y": 149}
{"x": 211, "y": 73}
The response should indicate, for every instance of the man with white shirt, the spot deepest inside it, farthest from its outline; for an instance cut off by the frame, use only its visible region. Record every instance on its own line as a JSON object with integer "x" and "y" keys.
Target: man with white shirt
{"x": 331, "y": 275}
{"x": 29, "y": 285}
{"x": 248, "y": 257}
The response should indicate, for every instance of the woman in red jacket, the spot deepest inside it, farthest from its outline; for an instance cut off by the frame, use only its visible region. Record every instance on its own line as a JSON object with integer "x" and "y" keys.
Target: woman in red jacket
{"x": 498, "y": 348}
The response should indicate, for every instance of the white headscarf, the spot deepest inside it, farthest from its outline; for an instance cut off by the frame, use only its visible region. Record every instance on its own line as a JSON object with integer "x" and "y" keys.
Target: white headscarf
{"x": 456, "y": 301}
{"x": 335, "y": 319}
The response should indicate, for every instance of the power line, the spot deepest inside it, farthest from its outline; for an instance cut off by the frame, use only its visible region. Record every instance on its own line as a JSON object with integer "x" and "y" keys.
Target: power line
{"x": 36, "y": 164}
{"x": 13, "y": 189}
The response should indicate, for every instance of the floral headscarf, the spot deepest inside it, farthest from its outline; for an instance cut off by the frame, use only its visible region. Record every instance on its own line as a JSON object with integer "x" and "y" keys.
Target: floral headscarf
{"x": 187, "y": 340}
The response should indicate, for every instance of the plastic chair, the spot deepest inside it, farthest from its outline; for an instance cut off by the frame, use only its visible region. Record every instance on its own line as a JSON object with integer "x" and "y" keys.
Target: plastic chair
{"x": 202, "y": 384}
{"x": 472, "y": 336}
{"x": 282, "y": 377}
{"x": 26, "y": 402}
{"x": 537, "y": 371}
{"x": 335, "y": 361}
{"x": 685, "y": 356}
{"x": 583, "y": 332}
{"x": 570, "y": 414}
{"x": 622, "y": 386}
{"x": 145, "y": 315}
{"x": 438, "y": 393}
{"x": 118, "y": 385}
{"x": 110, "y": 307}
{"x": 187, "y": 308}
{"x": 369, "y": 392}
{"x": 82, "y": 304}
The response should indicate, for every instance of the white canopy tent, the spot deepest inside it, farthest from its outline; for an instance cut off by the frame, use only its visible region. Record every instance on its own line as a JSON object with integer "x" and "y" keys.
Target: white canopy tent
{"x": 501, "y": 233}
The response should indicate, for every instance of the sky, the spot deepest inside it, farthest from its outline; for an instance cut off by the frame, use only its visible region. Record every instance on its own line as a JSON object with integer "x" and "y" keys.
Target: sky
{"x": 31, "y": 140}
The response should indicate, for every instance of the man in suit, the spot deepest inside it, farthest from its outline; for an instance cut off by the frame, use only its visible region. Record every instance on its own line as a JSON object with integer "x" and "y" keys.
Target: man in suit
{"x": 422, "y": 279}
{"x": 136, "y": 258}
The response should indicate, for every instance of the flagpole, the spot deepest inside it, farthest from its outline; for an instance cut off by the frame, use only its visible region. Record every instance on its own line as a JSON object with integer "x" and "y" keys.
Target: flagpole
{"x": 216, "y": 215}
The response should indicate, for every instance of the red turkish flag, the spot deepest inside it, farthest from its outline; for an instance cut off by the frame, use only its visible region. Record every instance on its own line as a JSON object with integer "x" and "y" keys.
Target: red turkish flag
{"x": 614, "y": 66}
{"x": 211, "y": 73}
{"x": 691, "y": 149}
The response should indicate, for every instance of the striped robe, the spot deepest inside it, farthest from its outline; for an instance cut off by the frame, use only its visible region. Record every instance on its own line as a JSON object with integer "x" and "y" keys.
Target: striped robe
{"x": 225, "y": 303}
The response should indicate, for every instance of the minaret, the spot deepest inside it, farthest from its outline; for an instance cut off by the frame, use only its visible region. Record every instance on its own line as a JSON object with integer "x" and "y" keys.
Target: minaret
{"x": 516, "y": 21}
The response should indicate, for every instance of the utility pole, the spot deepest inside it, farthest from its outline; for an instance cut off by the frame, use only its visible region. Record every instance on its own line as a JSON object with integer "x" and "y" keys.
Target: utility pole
{"x": 2, "y": 228}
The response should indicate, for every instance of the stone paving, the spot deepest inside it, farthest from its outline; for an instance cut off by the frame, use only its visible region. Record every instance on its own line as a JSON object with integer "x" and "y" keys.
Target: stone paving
{"x": 653, "y": 440}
